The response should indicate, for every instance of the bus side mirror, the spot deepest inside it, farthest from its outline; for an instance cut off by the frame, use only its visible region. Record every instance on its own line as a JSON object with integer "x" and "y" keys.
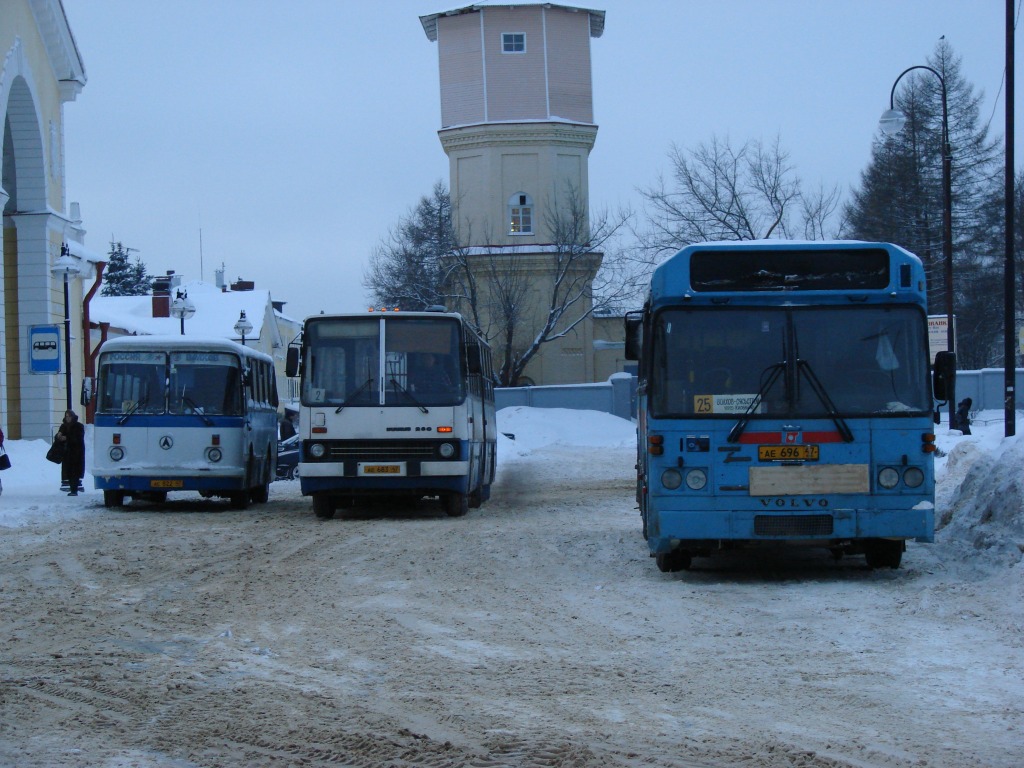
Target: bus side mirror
{"x": 86, "y": 397}
{"x": 634, "y": 335}
{"x": 944, "y": 375}
{"x": 473, "y": 363}
{"x": 291, "y": 365}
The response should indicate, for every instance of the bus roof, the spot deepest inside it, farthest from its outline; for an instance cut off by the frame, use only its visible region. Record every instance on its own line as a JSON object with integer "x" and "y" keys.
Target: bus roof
{"x": 171, "y": 343}
{"x": 824, "y": 267}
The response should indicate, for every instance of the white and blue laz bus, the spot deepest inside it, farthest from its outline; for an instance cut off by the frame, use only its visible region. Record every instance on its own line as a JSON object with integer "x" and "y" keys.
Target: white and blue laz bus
{"x": 394, "y": 404}
{"x": 784, "y": 397}
{"x": 179, "y": 413}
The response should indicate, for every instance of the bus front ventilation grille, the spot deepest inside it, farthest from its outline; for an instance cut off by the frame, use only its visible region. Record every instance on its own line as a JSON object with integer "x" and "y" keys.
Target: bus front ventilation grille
{"x": 380, "y": 450}
{"x": 792, "y": 525}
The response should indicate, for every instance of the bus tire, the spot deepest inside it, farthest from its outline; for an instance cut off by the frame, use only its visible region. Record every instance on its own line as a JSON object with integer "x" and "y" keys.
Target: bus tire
{"x": 671, "y": 562}
{"x": 323, "y": 506}
{"x": 240, "y": 499}
{"x": 113, "y": 498}
{"x": 456, "y": 504}
{"x": 476, "y": 499}
{"x": 884, "y": 553}
{"x": 260, "y": 494}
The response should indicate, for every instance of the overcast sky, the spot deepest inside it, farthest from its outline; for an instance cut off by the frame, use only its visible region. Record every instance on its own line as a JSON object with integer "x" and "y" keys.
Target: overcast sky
{"x": 283, "y": 140}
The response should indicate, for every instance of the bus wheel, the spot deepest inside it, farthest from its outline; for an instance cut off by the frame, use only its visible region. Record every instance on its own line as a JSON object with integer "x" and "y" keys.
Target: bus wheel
{"x": 676, "y": 560}
{"x": 476, "y": 499}
{"x": 883, "y": 553}
{"x": 323, "y": 506}
{"x": 456, "y": 504}
{"x": 113, "y": 498}
{"x": 260, "y": 494}
{"x": 240, "y": 499}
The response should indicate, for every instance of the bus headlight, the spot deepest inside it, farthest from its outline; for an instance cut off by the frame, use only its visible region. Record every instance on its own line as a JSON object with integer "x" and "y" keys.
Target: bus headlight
{"x": 116, "y": 453}
{"x": 317, "y": 450}
{"x": 888, "y": 478}
{"x": 671, "y": 479}
{"x": 213, "y": 454}
{"x": 696, "y": 479}
{"x": 913, "y": 477}
{"x": 447, "y": 450}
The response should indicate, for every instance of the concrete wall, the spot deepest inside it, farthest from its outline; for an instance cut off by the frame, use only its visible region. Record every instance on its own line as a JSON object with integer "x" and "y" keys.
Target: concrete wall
{"x": 985, "y": 388}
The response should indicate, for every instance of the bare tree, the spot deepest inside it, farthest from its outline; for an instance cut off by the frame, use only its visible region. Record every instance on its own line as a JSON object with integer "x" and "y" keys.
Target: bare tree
{"x": 722, "y": 193}
{"x": 536, "y": 298}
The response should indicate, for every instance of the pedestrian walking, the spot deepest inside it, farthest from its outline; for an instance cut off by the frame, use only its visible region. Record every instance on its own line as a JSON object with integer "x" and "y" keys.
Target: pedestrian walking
{"x": 72, "y": 469}
{"x": 5, "y": 462}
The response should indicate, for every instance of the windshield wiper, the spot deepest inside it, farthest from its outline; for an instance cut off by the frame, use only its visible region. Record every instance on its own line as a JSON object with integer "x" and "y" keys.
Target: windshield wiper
{"x": 830, "y": 407}
{"x": 739, "y": 426}
{"x": 348, "y": 400}
{"x": 409, "y": 394}
{"x": 133, "y": 409}
{"x": 195, "y": 409}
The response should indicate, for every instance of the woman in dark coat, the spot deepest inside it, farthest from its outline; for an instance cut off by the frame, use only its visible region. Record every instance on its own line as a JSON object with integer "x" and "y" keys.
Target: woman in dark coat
{"x": 72, "y": 434}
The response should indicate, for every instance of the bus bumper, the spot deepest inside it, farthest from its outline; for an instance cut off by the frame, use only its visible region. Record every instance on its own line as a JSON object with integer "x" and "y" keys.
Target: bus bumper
{"x": 670, "y": 529}
{"x": 155, "y": 484}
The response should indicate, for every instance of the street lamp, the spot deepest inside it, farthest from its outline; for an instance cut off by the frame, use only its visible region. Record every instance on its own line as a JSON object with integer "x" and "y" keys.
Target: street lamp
{"x": 891, "y": 123}
{"x": 182, "y": 308}
{"x": 243, "y": 326}
{"x": 67, "y": 267}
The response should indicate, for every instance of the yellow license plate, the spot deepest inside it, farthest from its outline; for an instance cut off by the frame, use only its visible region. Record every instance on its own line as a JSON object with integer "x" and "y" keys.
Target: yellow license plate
{"x": 166, "y": 483}
{"x": 382, "y": 469}
{"x": 787, "y": 453}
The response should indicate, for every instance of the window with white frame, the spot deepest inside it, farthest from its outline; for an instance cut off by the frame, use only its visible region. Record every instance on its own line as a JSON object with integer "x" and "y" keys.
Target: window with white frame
{"x": 520, "y": 214}
{"x": 513, "y": 42}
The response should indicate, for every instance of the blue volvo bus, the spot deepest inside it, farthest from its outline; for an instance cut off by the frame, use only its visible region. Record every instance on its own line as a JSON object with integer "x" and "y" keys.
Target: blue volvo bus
{"x": 784, "y": 396}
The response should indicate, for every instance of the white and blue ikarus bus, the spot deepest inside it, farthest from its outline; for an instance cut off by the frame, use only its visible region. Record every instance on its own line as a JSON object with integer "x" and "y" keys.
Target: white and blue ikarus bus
{"x": 784, "y": 397}
{"x": 179, "y": 413}
{"x": 394, "y": 404}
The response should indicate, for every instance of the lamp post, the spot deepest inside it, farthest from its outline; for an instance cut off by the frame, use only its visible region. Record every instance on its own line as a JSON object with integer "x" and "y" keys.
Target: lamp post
{"x": 891, "y": 123}
{"x": 182, "y": 308}
{"x": 67, "y": 268}
{"x": 243, "y": 326}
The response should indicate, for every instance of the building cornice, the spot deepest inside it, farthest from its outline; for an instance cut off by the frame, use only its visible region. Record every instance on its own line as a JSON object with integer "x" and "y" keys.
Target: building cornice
{"x": 482, "y": 135}
{"x": 61, "y": 49}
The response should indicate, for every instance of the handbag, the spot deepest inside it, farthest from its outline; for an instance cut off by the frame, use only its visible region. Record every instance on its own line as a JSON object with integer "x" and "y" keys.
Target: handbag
{"x": 56, "y": 452}
{"x": 5, "y": 460}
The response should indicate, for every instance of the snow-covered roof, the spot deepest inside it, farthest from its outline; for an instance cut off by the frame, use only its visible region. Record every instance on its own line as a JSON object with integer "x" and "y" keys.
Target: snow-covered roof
{"x": 429, "y": 21}
{"x": 216, "y": 312}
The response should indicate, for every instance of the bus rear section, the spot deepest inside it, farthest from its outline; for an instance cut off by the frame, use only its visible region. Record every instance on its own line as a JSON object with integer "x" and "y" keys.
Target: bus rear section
{"x": 394, "y": 406}
{"x": 794, "y": 411}
{"x": 177, "y": 414}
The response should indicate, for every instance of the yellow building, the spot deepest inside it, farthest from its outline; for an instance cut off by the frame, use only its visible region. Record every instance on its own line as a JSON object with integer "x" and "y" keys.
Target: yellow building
{"x": 40, "y": 71}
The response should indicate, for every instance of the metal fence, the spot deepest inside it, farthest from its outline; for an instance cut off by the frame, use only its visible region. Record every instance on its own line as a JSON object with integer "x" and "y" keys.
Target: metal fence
{"x": 618, "y": 395}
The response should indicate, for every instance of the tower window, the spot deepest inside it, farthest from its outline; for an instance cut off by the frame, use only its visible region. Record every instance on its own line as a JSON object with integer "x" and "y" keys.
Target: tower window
{"x": 520, "y": 214}
{"x": 513, "y": 42}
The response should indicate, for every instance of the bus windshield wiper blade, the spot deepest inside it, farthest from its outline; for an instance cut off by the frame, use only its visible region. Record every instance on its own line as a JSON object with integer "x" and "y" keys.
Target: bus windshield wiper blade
{"x": 741, "y": 425}
{"x": 830, "y": 407}
{"x": 409, "y": 394}
{"x": 133, "y": 409}
{"x": 195, "y": 409}
{"x": 348, "y": 400}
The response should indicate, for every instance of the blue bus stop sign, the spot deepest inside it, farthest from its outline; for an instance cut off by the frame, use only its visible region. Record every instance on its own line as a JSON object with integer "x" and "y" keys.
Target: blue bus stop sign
{"x": 44, "y": 348}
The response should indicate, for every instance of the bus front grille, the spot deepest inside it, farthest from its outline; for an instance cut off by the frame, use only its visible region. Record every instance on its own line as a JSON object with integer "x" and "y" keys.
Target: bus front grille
{"x": 792, "y": 525}
{"x": 383, "y": 450}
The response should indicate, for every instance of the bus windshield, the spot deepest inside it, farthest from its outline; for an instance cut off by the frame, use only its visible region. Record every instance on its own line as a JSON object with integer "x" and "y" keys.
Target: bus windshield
{"x": 205, "y": 383}
{"x": 716, "y": 362}
{"x": 132, "y": 382}
{"x": 377, "y": 361}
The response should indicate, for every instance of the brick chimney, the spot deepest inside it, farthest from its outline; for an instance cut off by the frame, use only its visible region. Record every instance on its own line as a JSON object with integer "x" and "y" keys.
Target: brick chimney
{"x": 162, "y": 294}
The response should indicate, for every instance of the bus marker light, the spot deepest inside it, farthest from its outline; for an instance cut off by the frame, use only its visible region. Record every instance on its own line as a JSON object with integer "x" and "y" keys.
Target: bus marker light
{"x": 444, "y": 429}
{"x": 214, "y": 439}
{"x": 655, "y": 445}
{"x": 319, "y": 430}
{"x": 117, "y": 438}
